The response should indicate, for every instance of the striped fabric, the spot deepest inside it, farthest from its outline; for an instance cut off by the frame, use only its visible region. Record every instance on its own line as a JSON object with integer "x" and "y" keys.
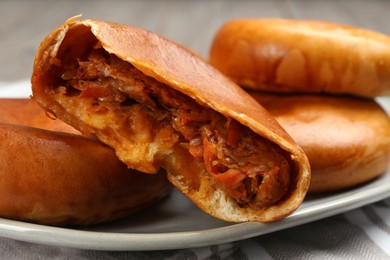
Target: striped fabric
{"x": 363, "y": 233}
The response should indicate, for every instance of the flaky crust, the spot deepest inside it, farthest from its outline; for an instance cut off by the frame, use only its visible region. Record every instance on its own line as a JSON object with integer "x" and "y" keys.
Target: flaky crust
{"x": 62, "y": 178}
{"x": 184, "y": 71}
{"x": 281, "y": 55}
{"x": 346, "y": 139}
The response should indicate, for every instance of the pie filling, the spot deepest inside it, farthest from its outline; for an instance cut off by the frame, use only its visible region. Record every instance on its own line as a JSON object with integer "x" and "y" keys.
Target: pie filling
{"x": 147, "y": 119}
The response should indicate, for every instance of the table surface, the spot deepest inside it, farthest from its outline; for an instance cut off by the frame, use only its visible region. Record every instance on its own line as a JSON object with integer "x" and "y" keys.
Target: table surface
{"x": 24, "y": 24}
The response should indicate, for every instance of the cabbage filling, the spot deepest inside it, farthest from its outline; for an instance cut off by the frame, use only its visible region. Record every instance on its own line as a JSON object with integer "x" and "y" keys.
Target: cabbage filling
{"x": 147, "y": 119}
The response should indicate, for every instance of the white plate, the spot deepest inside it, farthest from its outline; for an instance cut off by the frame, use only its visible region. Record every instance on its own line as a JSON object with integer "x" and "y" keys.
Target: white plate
{"x": 175, "y": 223}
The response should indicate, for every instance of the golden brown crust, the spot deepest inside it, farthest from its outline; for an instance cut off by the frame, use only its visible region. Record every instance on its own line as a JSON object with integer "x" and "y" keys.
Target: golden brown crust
{"x": 346, "y": 139}
{"x": 62, "y": 179}
{"x": 184, "y": 71}
{"x": 26, "y": 112}
{"x": 303, "y": 56}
